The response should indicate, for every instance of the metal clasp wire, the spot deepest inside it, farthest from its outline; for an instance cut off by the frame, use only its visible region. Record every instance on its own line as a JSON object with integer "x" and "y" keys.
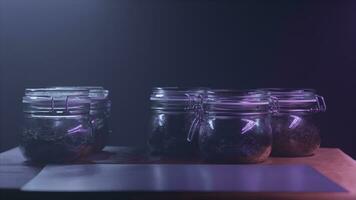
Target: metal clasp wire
{"x": 52, "y": 104}
{"x": 198, "y": 113}
{"x": 274, "y": 104}
{"x": 321, "y": 103}
{"x": 66, "y": 104}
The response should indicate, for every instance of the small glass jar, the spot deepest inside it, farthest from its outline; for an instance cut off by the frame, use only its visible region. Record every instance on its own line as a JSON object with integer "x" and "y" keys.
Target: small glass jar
{"x": 56, "y": 128}
{"x": 295, "y": 129}
{"x": 235, "y": 127}
{"x": 100, "y": 107}
{"x": 173, "y": 111}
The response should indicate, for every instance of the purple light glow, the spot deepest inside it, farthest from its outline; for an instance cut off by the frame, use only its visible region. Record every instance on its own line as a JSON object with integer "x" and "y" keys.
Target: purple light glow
{"x": 250, "y": 124}
{"x": 75, "y": 129}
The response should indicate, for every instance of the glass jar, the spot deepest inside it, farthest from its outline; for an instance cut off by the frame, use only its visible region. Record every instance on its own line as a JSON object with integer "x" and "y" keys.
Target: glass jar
{"x": 235, "y": 127}
{"x": 100, "y": 107}
{"x": 295, "y": 129}
{"x": 56, "y": 128}
{"x": 173, "y": 110}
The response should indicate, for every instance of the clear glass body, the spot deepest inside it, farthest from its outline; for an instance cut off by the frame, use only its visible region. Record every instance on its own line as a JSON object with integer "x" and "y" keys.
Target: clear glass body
{"x": 168, "y": 134}
{"x": 295, "y": 130}
{"x": 295, "y": 134}
{"x": 101, "y": 130}
{"x": 100, "y": 107}
{"x": 235, "y": 138}
{"x": 173, "y": 114}
{"x": 56, "y": 138}
{"x": 99, "y": 116}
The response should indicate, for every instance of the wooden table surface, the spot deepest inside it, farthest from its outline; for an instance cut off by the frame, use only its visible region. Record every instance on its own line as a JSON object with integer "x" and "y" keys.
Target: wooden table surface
{"x": 331, "y": 162}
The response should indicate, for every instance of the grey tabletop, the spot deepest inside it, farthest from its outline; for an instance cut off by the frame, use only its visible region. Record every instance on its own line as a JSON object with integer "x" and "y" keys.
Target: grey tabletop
{"x": 15, "y": 171}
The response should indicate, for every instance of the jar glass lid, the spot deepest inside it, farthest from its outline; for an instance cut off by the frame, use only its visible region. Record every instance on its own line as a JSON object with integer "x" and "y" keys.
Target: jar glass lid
{"x": 238, "y": 102}
{"x": 97, "y": 94}
{"x": 175, "y": 98}
{"x": 297, "y": 100}
{"x": 60, "y": 105}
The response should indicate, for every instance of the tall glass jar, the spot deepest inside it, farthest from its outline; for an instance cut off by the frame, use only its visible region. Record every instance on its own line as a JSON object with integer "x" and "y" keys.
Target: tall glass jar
{"x": 295, "y": 129}
{"x": 56, "y": 128}
{"x": 235, "y": 127}
{"x": 173, "y": 111}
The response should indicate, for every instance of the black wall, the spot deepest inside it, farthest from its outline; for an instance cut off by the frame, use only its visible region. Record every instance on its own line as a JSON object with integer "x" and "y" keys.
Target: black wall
{"x": 128, "y": 46}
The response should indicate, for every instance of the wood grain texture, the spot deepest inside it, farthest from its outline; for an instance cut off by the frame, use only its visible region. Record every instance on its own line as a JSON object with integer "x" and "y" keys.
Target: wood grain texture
{"x": 331, "y": 162}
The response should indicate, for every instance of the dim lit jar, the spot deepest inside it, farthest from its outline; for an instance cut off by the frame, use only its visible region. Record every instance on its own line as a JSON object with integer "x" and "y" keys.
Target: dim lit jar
{"x": 100, "y": 108}
{"x": 295, "y": 129}
{"x": 173, "y": 111}
{"x": 236, "y": 127}
{"x": 56, "y": 129}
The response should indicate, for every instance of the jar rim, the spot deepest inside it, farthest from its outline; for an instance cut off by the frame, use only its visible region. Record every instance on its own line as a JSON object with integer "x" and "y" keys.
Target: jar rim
{"x": 95, "y": 92}
{"x": 78, "y": 87}
{"x": 56, "y": 92}
{"x": 276, "y": 90}
{"x": 173, "y": 93}
{"x": 234, "y": 92}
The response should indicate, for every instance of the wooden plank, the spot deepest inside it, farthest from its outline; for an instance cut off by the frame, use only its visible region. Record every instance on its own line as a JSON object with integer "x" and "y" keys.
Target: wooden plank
{"x": 331, "y": 162}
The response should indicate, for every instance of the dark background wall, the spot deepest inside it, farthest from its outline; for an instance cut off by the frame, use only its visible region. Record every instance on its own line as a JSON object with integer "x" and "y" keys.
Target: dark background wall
{"x": 128, "y": 46}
